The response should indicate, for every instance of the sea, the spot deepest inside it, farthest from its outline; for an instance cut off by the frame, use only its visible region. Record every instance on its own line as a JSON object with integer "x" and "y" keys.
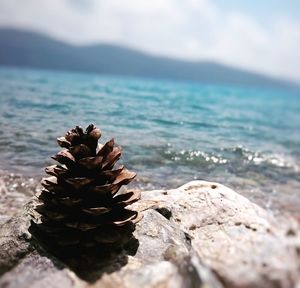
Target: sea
{"x": 171, "y": 132}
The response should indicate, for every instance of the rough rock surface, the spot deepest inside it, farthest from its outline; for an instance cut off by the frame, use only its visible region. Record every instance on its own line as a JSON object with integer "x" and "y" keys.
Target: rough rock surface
{"x": 202, "y": 234}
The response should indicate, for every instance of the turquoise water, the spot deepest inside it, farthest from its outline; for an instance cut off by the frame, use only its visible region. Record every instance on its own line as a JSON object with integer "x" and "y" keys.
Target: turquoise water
{"x": 247, "y": 138}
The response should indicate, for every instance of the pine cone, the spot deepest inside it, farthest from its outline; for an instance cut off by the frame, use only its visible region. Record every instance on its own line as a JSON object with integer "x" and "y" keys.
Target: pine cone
{"x": 80, "y": 203}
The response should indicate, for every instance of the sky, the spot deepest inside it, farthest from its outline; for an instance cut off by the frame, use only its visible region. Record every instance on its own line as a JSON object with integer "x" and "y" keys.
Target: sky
{"x": 257, "y": 35}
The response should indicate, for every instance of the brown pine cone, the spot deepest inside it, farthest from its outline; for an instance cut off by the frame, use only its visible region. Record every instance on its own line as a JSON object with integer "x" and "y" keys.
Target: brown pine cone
{"x": 80, "y": 203}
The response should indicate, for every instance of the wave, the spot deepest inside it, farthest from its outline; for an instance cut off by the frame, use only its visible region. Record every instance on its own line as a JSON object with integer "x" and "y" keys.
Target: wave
{"x": 240, "y": 156}
{"x": 261, "y": 158}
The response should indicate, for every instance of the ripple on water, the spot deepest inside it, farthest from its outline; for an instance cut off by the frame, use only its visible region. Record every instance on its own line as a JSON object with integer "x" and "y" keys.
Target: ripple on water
{"x": 172, "y": 132}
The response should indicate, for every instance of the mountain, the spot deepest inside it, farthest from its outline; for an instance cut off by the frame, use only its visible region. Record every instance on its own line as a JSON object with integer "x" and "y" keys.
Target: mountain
{"x": 29, "y": 49}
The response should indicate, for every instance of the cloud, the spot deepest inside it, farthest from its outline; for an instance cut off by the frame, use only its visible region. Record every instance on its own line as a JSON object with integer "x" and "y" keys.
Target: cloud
{"x": 190, "y": 29}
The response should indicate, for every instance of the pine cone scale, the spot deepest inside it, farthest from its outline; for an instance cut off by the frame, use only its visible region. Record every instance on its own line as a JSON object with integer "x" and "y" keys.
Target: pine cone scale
{"x": 91, "y": 162}
{"x": 63, "y": 142}
{"x": 80, "y": 151}
{"x": 111, "y": 175}
{"x": 96, "y": 211}
{"x": 127, "y": 199}
{"x": 56, "y": 170}
{"x": 112, "y": 158}
{"x": 106, "y": 148}
{"x": 48, "y": 197}
{"x": 124, "y": 177}
{"x": 79, "y": 182}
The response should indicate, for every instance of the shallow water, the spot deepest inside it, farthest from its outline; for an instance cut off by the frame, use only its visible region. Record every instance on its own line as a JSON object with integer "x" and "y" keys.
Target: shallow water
{"x": 247, "y": 138}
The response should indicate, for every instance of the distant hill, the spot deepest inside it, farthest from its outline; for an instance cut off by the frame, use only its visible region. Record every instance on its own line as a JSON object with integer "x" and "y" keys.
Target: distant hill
{"x": 29, "y": 49}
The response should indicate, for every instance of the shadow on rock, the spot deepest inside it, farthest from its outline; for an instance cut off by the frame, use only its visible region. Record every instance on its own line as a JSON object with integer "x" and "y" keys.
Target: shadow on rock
{"x": 88, "y": 263}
